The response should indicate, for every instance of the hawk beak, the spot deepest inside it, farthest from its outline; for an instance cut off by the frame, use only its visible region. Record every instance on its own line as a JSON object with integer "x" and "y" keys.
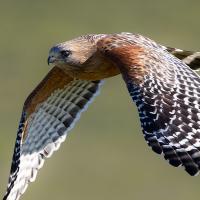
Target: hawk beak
{"x": 51, "y": 60}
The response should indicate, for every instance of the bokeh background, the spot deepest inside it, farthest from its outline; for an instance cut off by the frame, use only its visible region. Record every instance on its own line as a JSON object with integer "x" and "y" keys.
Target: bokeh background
{"x": 105, "y": 156}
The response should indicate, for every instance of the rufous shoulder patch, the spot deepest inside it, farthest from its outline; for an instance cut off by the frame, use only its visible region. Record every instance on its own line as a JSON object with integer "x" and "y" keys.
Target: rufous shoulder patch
{"x": 55, "y": 79}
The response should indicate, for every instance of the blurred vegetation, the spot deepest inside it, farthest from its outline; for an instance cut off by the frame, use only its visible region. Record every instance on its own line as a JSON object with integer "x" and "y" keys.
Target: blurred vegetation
{"x": 106, "y": 156}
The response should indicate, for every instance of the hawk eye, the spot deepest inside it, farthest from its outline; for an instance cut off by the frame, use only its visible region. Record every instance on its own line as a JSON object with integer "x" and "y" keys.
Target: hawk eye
{"x": 65, "y": 53}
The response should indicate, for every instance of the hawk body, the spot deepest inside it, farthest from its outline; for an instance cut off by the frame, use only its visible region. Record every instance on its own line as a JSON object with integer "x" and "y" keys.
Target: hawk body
{"x": 160, "y": 80}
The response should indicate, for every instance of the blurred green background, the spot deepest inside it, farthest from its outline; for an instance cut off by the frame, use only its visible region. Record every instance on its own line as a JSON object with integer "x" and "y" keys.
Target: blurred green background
{"x": 105, "y": 156}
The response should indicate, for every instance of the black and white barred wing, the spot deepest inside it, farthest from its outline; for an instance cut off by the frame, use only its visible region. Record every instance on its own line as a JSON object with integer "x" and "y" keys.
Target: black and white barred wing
{"x": 192, "y": 59}
{"x": 49, "y": 113}
{"x": 167, "y": 94}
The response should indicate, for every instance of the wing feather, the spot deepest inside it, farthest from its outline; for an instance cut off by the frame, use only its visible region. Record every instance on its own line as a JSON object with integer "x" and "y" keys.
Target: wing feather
{"x": 45, "y": 123}
{"x": 166, "y": 92}
{"x": 191, "y": 58}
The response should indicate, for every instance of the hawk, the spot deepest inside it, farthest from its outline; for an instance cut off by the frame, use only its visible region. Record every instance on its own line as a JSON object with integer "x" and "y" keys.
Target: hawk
{"x": 161, "y": 81}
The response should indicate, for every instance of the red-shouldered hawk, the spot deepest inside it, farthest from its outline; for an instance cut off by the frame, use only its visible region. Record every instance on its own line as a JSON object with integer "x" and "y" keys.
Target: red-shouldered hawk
{"x": 159, "y": 79}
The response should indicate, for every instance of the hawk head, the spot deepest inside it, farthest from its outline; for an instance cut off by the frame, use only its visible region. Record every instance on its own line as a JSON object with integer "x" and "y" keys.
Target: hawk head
{"x": 81, "y": 59}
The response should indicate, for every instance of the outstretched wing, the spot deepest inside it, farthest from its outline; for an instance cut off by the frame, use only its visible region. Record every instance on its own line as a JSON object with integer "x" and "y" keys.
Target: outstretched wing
{"x": 167, "y": 94}
{"x": 192, "y": 59}
{"x": 49, "y": 113}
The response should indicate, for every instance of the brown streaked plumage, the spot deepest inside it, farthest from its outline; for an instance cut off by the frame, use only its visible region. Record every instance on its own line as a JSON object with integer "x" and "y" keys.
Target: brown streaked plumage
{"x": 126, "y": 57}
{"x": 85, "y": 61}
{"x": 164, "y": 88}
{"x": 55, "y": 79}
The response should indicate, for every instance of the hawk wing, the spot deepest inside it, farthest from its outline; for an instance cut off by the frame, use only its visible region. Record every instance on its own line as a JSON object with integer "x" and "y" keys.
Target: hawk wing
{"x": 192, "y": 59}
{"x": 167, "y": 94}
{"x": 49, "y": 113}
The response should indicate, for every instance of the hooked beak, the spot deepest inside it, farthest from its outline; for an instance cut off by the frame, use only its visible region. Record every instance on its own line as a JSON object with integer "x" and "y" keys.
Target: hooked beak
{"x": 51, "y": 60}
